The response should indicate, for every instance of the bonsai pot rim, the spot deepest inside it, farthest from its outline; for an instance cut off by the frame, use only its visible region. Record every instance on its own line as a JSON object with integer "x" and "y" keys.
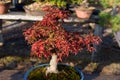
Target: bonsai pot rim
{"x": 41, "y": 65}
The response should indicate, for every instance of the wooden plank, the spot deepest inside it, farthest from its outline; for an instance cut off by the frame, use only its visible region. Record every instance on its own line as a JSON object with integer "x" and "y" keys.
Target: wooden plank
{"x": 24, "y": 16}
{"x": 20, "y": 16}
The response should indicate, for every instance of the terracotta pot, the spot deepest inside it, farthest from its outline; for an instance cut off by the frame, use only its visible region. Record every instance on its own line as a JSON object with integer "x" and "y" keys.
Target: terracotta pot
{"x": 4, "y": 8}
{"x": 83, "y": 13}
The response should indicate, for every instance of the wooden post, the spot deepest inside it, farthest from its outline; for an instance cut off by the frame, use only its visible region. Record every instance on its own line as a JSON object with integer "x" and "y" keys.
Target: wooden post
{"x": 1, "y": 37}
{"x": 97, "y": 32}
{"x": 117, "y": 37}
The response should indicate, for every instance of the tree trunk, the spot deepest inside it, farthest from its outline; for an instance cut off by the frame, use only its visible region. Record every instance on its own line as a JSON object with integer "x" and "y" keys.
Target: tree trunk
{"x": 53, "y": 65}
{"x": 117, "y": 37}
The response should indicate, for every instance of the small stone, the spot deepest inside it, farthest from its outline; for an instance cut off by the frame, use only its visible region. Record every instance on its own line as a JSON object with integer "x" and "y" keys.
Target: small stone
{"x": 20, "y": 66}
{"x": 117, "y": 72}
{"x": 107, "y": 71}
{"x": 92, "y": 25}
{"x": 72, "y": 64}
{"x": 1, "y": 43}
{"x": 1, "y": 65}
{"x": 109, "y": 30}
{"x": 90, "y": 68}
{"x": 85, "y": 25}
{"x": 111, "y": 69}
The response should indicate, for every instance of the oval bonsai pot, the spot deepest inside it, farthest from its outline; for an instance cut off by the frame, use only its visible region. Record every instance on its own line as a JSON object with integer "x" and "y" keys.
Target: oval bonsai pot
{"x": 84, "y": 13}
{"x": 42, "y": 65}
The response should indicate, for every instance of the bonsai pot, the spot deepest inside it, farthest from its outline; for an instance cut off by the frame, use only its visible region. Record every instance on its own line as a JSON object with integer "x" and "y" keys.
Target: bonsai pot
{"x": 4, "y": 6}
{"x": 35, "y": 9}
{"x": 34, "y": 12}
{"x": 37, "y": 72}
{"x": 84, "y": 13}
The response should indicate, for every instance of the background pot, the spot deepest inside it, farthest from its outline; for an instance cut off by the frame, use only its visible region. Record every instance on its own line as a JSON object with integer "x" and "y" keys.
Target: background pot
{"x": 35, "y": 9}
{"x": 84, "y": 13}
{"x": 27, "y": 73}
{"x": 4, "y": 8}
{"x": 34, "y": 12}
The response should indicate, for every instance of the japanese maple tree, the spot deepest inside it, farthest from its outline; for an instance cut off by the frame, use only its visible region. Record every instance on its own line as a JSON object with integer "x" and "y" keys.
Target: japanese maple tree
{"x": 49, "y": 39}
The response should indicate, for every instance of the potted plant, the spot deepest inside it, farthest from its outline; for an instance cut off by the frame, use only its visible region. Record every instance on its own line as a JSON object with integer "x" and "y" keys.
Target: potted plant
{"x": 83, "y": 10}
{"x": 4, "y": 6}
{"x": 36, "y": 7}
{"x": 50, "y": 40}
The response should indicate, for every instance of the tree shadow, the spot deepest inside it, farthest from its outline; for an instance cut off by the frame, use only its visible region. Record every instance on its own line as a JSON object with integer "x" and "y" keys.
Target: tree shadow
{"x": 17, "y": 75}
{"x": 108, "y": 59}
{"x": 14, "y": 42}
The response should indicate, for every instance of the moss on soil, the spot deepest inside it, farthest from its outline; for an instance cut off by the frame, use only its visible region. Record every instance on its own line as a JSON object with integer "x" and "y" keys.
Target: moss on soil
{"x": 65, "y": 73}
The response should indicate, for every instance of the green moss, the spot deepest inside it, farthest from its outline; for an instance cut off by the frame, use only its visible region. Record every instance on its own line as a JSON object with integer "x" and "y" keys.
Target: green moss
{"x": 65, "y": 73}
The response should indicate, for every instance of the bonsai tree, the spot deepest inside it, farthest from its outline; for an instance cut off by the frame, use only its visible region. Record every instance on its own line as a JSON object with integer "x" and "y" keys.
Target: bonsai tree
{"x": 35, "y": 7}
{"x": 50, "y": 40}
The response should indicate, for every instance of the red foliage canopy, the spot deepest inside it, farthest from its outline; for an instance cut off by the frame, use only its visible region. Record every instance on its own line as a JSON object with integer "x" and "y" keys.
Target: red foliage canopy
{"x": 48, "y": 36}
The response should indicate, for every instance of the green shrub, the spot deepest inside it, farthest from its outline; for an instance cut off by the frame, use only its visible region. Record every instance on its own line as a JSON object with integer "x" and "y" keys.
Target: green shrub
{"x": 108, "y": 20}
{"x": 104, "y": 19}
{"x": 115, "y": 22}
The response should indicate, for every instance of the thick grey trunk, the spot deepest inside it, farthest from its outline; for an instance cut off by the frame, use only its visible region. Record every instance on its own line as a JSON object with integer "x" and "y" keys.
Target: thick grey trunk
{"x": 53, "y": 65}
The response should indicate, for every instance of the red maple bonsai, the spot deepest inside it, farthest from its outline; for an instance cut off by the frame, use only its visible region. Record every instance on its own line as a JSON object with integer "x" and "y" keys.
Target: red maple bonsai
{"x": 49, "y": 39}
